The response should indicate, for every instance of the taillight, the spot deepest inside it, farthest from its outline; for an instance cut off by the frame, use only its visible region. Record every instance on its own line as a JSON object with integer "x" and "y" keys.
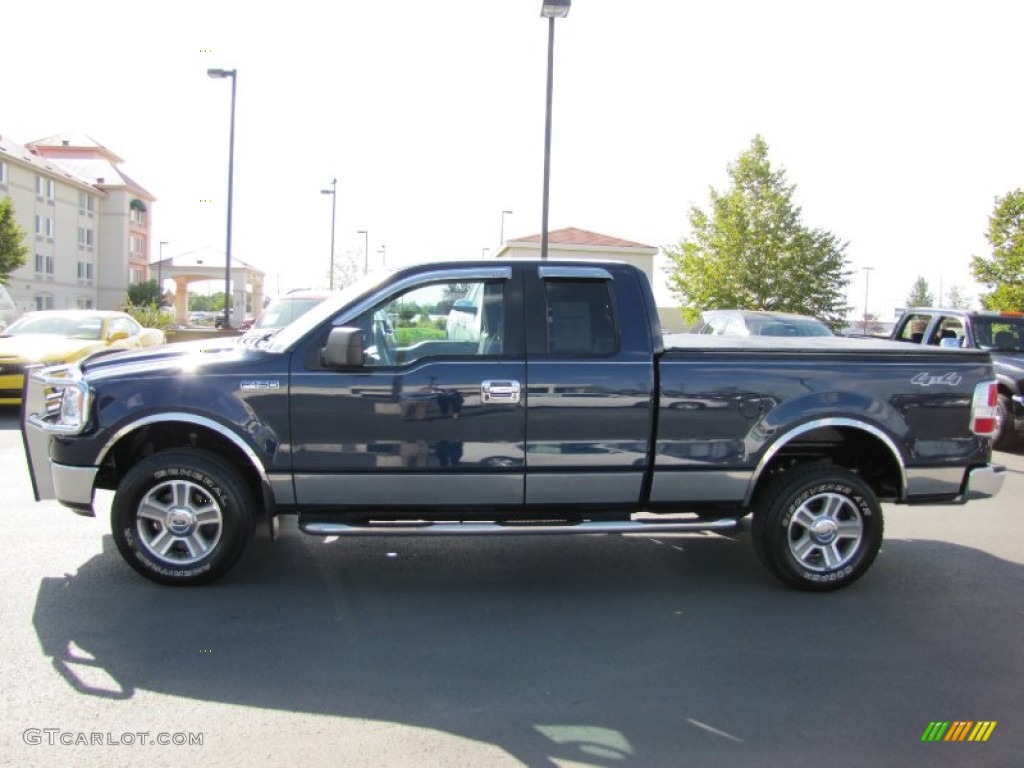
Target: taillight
{"x": 985, "y": 409}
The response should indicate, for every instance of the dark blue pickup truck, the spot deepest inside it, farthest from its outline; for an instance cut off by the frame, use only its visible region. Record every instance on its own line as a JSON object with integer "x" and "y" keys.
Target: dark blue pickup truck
{"x": 511, "y": 398}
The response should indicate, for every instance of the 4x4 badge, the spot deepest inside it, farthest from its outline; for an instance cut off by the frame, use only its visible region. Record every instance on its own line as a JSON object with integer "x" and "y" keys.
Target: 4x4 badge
{"x": 928, "y": 379}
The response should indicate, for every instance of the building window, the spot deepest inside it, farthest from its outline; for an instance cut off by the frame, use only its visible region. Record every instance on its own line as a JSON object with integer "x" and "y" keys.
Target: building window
{"x": 135, "y": 276}
{"x": 44, "y": 264}
{"x": 86, "y": 202}
{"x": 85, "y": 237}
{"x": 84, "y": 302}
{"x": 44, "y": 187}
{"x": 44, "y": 301}
{"x": 85, "y": 271}
{"x": 3, "y": 173}
{"x": 137, "y": 217}
{"x": 136, "y": 246}
{"x": 44, "y": 226}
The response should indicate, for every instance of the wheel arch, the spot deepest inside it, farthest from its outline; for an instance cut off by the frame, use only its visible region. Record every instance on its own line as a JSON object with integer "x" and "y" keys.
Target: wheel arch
{"x": 856, "y": 445}
{"x": 149, "y": 435}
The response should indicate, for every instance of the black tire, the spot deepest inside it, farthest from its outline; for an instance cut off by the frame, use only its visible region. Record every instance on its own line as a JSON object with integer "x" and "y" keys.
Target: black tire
{"x": 182, "y": 517}
{"x": 818, "y": 527}
{"x": 1006, "y": 436}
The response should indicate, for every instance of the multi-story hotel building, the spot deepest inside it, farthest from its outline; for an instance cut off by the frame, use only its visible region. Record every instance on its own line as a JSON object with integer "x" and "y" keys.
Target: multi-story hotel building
{"x": 87, "y": 224}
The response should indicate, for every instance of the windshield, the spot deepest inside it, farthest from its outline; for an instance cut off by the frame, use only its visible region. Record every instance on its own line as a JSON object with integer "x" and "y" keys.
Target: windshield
{"x": 786, "y": 326}
{"x": 280, "y": 312}
{"x": 999, "y": 334}
{"x": 58, "y": 325}
{"x": 313, "y": 317}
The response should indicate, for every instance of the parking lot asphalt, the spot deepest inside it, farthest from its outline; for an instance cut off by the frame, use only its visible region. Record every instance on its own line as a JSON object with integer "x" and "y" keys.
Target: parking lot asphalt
{"x": 655, "y": 650}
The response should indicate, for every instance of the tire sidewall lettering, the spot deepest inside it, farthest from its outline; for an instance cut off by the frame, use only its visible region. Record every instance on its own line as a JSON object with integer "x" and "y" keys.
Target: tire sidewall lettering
{"x": 854, "y": 496}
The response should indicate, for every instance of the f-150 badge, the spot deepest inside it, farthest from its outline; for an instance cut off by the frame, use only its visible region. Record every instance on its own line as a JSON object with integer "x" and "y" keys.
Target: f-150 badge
{"x": 262, "y": 384}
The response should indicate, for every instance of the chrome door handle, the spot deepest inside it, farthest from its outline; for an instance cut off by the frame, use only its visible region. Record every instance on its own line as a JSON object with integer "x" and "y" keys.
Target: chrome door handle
{"x": 499, "y": 391}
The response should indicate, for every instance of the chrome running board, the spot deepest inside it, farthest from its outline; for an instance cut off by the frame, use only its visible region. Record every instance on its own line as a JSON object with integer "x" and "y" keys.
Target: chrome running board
{"x": 424, "y": 528}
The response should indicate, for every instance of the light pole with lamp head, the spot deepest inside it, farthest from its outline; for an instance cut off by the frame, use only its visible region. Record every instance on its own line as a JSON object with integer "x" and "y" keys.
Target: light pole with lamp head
{"x": 867, "y": 283}
{"x": 551, "y": 10}
{"x": 333, "y": 192}
{"x": 160, "y": 275}
{"x": 503, "y": 215}
{"x": 217, "y": 74}
{"x": 366, "y": 250}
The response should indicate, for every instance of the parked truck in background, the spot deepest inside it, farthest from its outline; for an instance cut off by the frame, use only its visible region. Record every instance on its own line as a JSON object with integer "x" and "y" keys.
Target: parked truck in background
{"x": 1001, "y": 334}
{"x": 555, "y": 408}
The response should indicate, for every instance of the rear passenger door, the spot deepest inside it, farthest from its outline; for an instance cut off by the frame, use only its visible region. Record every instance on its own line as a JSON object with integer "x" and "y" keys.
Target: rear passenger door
{"x": 590, "y": 382}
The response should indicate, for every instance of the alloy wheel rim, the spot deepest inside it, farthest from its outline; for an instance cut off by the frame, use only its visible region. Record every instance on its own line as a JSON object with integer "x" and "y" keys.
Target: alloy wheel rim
{"x": 825, "y": 532}
{"x": 179, "y": 522}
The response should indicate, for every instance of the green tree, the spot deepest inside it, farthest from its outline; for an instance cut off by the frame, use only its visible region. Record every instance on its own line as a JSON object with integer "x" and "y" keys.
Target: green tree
{"x": 144, "y": 294}
{"x": 13, "y": 251}
{"x": 1003, "y": 271}
{"x": 920, "y": 295}
{"x": 955, "y": 298}
{"x": 752, "y": 251}
{"x": 346, "y": 270}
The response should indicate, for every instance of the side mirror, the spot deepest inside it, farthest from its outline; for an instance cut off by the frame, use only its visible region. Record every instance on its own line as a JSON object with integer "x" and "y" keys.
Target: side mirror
{"x": 950, "y": 343}
{"x": 117, "y": 336}
{"x": 344, "y": 349}
{"x": 464, "y": 305}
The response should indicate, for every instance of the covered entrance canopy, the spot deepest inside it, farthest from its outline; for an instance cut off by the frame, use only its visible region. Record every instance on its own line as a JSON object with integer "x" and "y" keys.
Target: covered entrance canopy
{"x": 208, "y": 264}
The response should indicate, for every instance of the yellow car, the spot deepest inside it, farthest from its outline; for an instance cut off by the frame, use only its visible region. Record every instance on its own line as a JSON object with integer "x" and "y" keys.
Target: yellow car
{"x": 64, "y": 336}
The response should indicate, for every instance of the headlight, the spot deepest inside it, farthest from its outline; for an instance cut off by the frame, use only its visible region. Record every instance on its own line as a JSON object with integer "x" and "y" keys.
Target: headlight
{"x": 57, "y": 400}
{"x": 74, "y": 406}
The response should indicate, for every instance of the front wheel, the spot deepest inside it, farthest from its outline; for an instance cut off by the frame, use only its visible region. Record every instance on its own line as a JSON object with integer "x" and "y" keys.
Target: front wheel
{"x": 818, "y": 527}
{"x": 182, "y": 517}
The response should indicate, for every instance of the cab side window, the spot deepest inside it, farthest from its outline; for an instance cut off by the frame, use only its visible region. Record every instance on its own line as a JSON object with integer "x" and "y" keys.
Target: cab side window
{"x": 949, "y": 331}
{"x": 438, "y": 319}
{"x": 580, "y": 319}
{"x": 914, "y": 328}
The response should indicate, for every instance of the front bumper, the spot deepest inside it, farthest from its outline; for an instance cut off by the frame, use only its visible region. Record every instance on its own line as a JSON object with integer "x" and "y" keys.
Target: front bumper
{"x": 71, "y": 486}
{"x": 11, "y": 385}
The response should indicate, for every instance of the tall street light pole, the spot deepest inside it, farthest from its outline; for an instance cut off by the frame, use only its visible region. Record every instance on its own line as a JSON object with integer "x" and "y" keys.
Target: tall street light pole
{"x": 551, "y": 10}
{"x": 333, "y": 192}
{"x": 160, "y": 274}
{"x": 503, "y": 215}
{"x": 867, "y": 283}
{"x": 233, "y": 74}
{"x": 366, "y": 250}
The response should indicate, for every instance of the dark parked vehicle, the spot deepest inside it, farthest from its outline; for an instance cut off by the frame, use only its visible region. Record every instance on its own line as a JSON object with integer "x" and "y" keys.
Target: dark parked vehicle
{"x": 283, "y": 310}
{"x": 999, "y": 333}
{"x": 558, "y": 410}
{"x": 748, "y": 322}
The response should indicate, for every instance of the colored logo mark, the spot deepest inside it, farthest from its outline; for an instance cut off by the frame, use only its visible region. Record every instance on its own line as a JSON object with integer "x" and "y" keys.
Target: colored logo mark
{"x": 959, "y": 730}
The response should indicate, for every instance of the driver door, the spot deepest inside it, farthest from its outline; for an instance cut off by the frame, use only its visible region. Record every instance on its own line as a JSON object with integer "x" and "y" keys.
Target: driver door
{"x": 433, "y": 417}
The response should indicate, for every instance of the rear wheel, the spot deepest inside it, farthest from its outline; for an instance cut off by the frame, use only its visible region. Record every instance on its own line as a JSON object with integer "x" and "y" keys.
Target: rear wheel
{"x": 818, "y": 527}
{"x": 182, "y": 517}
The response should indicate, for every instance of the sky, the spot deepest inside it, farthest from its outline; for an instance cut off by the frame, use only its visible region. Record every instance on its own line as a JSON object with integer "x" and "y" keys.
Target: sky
{"x": 898, "y": 122}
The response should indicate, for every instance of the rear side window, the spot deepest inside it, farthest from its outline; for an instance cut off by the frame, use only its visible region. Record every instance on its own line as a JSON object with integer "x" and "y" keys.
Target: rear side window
{"x": 580, "y": 322}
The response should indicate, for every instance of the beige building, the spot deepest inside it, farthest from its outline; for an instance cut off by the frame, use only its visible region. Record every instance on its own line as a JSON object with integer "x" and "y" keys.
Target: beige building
{"x": 572, "y": 243}
{"x": 87, "y": 224}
